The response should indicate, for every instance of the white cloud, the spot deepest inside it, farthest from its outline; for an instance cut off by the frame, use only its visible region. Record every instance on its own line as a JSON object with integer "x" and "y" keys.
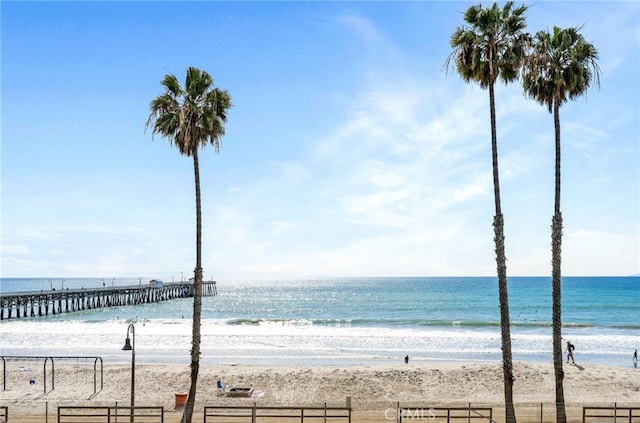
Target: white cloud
{"x": 14, "y": 249}
{"x": 114, "y": 264}
{"x": 398, "y": 183}
{"x": 363, "y": 27}
{"x": 589, "y": 252}
{"x": 281, "y": 225}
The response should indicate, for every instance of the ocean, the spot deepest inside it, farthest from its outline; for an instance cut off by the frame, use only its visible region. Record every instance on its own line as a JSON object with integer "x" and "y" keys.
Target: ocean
{"x": 342, "y": 321}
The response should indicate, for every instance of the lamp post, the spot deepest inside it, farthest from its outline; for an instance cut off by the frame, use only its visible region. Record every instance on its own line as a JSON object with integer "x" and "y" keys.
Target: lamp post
{"x": 130, "y": 345}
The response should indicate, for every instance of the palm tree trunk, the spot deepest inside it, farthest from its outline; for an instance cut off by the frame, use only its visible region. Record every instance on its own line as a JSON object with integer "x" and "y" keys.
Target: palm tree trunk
{"x": 556, "y": 276}
{"x": 197, "y": 301}
{"x": 501, "y": 263}
{"x": 556, "y": 240}
{"x": 505, "y": 327}
{"x": 494, "y": 153}
{"x": 556, "y": 124}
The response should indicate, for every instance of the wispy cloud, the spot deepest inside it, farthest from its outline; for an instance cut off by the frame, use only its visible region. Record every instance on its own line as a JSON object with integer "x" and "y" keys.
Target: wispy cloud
{"x": 386, "y": 185}
{"x": 373, "y": 161}
{"x": 14, "y": 249}
{"x": 364, "y": 28}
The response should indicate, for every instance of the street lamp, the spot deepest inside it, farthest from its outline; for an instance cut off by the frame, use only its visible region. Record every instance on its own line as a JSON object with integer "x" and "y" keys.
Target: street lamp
{"x": 131, "y": 346}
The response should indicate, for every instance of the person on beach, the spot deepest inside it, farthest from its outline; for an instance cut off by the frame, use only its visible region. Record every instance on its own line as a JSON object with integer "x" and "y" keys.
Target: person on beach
{"x": 406, "y": 358}
{"x": 570, "y": 349}
{"x": 635, "y": 356}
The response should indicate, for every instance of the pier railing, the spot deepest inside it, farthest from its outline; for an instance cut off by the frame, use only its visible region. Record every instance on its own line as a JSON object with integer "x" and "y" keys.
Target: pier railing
{"x": 42, "y": 303}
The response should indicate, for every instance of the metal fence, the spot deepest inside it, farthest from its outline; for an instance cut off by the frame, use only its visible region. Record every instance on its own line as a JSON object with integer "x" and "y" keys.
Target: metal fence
{"x": 257, "y": 414}
{"x": 110, "y": 414}
{"x": 613, "y": 414}
{"x": 444, "y": 414}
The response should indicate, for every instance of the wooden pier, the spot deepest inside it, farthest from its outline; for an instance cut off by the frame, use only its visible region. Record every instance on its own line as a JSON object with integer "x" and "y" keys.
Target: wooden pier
{"x": 42, "y": 303}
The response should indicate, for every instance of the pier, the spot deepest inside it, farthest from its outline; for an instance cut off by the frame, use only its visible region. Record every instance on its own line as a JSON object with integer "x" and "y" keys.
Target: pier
{"x": 42, "y": 303}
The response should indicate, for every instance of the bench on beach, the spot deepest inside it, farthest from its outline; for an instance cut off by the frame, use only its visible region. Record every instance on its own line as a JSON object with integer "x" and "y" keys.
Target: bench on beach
{"x": 109, "y": 414}
{"x": 4, "y": 414}
{"x": 257, "y": 414}
{"x": 239, "y": 392}
{"x": 613, "y": 414}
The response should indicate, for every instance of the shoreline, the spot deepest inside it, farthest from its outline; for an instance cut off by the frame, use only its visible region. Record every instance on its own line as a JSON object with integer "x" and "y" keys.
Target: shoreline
{"x": 179, "y": 358}
{"x": 347, "y": 322}
{"x": 372, "y": 388}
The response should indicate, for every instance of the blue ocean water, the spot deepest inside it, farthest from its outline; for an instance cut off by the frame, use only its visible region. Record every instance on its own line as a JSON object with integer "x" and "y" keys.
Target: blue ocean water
{"x": 344, "y": 321}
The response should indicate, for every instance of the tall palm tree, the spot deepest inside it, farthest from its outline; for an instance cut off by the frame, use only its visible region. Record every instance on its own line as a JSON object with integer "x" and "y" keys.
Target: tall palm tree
{"x": 191, "y": 117}
{"x": 489, "y": 48}
{"x": 560, "y": 67}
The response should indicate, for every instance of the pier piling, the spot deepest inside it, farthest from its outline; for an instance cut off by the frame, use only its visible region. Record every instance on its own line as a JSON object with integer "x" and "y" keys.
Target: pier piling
{"x": 37, "y": 304}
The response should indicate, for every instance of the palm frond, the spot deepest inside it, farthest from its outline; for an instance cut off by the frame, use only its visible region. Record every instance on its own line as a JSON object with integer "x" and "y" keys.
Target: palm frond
{"x": 561, "y": 66}
{"x": 492, "y": 45}
{"x": 170, "y": 82}
{"x": 192, "y": 116}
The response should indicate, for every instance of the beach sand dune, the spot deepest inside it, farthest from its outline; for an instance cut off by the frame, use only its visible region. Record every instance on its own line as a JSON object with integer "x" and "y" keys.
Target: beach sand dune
{"x": 374, "y": 389}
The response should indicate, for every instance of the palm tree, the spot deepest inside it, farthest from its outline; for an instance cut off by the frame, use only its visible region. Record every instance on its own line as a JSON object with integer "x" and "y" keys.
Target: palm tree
{"x": 492, "y": 46}
{"x": 191, "y": 117}
{"x": 560, "y": 67}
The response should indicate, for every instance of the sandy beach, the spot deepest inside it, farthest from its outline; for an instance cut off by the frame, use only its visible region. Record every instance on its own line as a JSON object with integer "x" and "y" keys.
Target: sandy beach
{"x": 374, "y": 390}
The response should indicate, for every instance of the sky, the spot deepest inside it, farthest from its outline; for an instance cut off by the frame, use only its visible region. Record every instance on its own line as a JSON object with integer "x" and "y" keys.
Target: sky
{"x": 350, "y": 150}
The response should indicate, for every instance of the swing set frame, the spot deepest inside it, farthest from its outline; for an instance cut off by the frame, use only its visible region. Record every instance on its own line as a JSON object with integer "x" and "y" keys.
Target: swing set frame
{"x": 45, "y": 360}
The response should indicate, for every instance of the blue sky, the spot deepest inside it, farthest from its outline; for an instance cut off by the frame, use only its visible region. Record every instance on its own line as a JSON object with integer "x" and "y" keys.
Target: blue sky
{"x": 349, "y": 151}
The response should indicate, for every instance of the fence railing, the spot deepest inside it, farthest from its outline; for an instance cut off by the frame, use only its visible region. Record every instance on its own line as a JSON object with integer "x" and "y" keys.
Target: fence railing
{"x": 627, "y": 413}
{"x": 257, "y": 414}
{"x": 110, "y": 414}
{"x": 443, "y": 414}
{"x": 613, "y": 414}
